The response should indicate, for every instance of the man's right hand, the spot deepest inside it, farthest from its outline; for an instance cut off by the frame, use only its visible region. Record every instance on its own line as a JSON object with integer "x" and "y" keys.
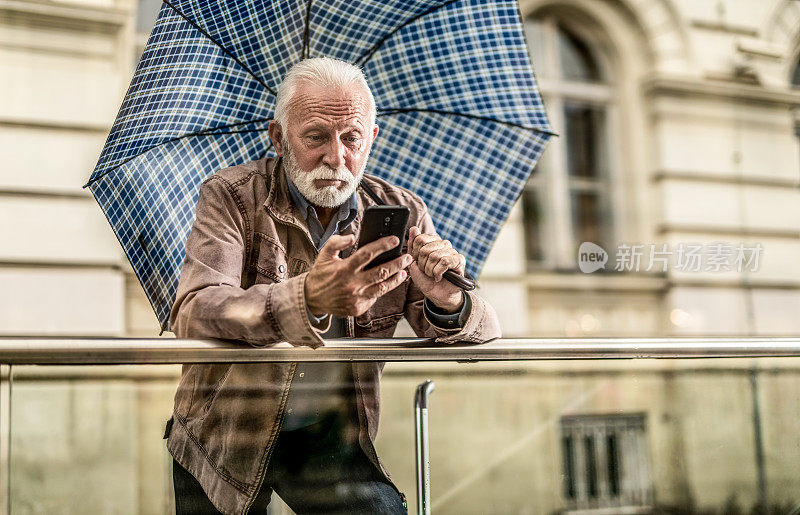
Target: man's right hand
{"x": 342, "y": 287}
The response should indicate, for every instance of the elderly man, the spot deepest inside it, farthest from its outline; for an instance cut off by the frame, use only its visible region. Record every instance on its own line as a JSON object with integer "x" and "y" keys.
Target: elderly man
{"x": 271, "y": 257}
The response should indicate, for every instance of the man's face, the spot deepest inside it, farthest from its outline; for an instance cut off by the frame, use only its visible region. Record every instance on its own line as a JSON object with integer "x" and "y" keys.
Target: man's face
{"x": 327, "y": 142}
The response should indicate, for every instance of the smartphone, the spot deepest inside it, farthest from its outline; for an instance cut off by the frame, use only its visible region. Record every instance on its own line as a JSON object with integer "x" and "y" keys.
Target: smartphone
{"x": 380, "y": 221}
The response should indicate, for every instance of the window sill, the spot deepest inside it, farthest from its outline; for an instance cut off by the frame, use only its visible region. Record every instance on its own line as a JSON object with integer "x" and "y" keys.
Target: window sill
{"x": 597, "y": 281}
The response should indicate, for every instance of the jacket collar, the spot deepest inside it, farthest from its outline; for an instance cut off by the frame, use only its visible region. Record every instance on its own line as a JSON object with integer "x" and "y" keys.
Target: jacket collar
{"x": 279, "y": 203}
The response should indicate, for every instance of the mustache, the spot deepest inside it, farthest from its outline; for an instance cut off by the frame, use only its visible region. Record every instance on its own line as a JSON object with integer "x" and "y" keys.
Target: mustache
{"x": 326, "y": 172}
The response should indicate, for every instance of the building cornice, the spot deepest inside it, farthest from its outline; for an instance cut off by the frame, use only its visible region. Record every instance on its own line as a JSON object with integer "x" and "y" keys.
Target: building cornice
{"x": 662, "y": 85}
{"x": 749, "y": 282}
{"x": 60, "y": 125}
{"x": 66, "y": 14}
{"x": 598, "y": 282}
{"x": 628, "y": 283}
{"x": 743, "y": 180}
{"x": 717, "y": 230}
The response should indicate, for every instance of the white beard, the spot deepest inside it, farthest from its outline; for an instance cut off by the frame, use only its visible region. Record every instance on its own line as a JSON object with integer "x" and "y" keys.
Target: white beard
{"x": 327, "y": 196}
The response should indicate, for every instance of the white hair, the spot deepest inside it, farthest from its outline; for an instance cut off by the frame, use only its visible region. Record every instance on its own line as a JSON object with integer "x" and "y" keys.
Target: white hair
{"x": 332, "y": 73}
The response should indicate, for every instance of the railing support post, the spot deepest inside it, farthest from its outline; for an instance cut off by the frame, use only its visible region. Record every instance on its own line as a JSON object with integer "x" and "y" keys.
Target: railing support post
{"x": 421, "y": 447}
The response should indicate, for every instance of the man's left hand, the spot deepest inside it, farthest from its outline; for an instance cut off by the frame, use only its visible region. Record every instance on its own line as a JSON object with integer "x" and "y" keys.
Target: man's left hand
{"x": 433, "y": 256}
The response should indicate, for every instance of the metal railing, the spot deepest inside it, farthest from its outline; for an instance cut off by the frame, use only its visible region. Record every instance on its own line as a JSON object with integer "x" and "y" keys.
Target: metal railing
{"x": 95, "y": 351}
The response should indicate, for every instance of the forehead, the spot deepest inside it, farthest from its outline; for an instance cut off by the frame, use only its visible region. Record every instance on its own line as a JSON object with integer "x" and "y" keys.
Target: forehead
{"x": 314, "y": 104}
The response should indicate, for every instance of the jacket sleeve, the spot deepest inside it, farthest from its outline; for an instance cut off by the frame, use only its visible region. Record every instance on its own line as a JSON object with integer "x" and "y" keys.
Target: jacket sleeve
{"x": 210, "y": 302}
{"x": 481, "y": 324}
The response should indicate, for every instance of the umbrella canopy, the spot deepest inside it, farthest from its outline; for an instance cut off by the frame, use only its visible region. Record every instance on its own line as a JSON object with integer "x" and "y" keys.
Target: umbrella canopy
{"x": 462, "y": 122}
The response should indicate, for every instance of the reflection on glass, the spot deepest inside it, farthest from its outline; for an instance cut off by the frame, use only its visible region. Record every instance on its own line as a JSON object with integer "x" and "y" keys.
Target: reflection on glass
{"x": 577, "y": 61}
{"x": 591, "y": 467}
{"x": 613, "y": 464}
{"x": 609, "y": 468}
{"x": 569, "y": 467}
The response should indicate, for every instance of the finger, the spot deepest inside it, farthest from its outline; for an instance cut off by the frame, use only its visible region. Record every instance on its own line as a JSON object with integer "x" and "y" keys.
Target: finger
{"x": 424, "y": 253}
{"x": 335, "y": 244}
{"x": 377, "y": 290}
{"x": 386, "y": 270}
{"x": 370, "y": 251}
{"x": 431, "y": 243}
{"x": 462, "y": 265}
{"x": 446, "y": 263}
{"x": 435, "y": 245}
{"x": 443, "y": 257}
{"x": 420, "y": 241}
{"x": 413, "y": 232}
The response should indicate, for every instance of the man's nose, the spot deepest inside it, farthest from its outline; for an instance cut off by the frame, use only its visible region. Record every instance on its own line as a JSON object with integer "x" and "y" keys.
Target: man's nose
{"x": 334, "y": 155}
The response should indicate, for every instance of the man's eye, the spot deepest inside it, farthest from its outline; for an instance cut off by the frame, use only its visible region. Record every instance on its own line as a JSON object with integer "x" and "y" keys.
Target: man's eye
{"x": 315, "y": 137}
{"x": 353, "y": 139}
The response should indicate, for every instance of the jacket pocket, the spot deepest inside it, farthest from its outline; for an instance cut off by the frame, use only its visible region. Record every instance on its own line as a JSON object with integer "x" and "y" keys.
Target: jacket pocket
{"x": 270, "y": 262}
{"x": 209, "y": 381}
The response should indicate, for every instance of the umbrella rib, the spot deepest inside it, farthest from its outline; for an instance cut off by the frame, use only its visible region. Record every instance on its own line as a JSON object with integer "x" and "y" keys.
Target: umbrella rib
{"x": 306, "y": 49}
{"x": 212, "y": 131}
{"x": 221, "y": 46}
{"x": 382, "y": 112}
{"x": 361, "y": 61}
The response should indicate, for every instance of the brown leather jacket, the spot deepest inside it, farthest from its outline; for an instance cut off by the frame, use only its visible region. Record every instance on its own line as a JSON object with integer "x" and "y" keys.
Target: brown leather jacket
{"x": 247, "y": 257}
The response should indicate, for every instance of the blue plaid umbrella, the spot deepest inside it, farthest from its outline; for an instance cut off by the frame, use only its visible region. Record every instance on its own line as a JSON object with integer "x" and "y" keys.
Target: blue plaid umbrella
{"x": 462, "y": 123}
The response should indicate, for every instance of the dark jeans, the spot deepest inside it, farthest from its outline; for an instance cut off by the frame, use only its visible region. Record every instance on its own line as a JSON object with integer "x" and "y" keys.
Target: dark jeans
{"x": 314, "y": 470}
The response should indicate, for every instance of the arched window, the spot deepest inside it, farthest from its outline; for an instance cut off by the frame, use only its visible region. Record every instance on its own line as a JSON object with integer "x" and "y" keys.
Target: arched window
{"x": 568, "y": 199}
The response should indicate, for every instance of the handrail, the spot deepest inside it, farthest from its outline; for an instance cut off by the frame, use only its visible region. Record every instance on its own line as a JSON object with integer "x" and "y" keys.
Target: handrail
{"x": 94, "y": 351}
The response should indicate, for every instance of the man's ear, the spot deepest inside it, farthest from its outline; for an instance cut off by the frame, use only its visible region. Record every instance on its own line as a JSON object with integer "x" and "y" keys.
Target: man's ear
{"x": 374, "y": 131}
{"x": 276, "y": 135}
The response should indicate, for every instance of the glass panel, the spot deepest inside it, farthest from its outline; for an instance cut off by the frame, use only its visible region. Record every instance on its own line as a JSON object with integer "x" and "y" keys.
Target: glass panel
{"x": 585, "y": 129}
{"x": 657, "y": 436}
{"x": 577, "y": 61}
{"x": 533, "y": 220}
{"x": 89, "y": 439}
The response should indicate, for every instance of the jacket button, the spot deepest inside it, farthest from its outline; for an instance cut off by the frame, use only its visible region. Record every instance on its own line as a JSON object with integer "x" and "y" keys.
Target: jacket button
{"x": 281, "y": 268}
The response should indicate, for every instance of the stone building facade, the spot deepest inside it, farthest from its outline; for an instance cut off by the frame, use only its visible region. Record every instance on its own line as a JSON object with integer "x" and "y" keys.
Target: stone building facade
{"x": 678, "y": 124}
